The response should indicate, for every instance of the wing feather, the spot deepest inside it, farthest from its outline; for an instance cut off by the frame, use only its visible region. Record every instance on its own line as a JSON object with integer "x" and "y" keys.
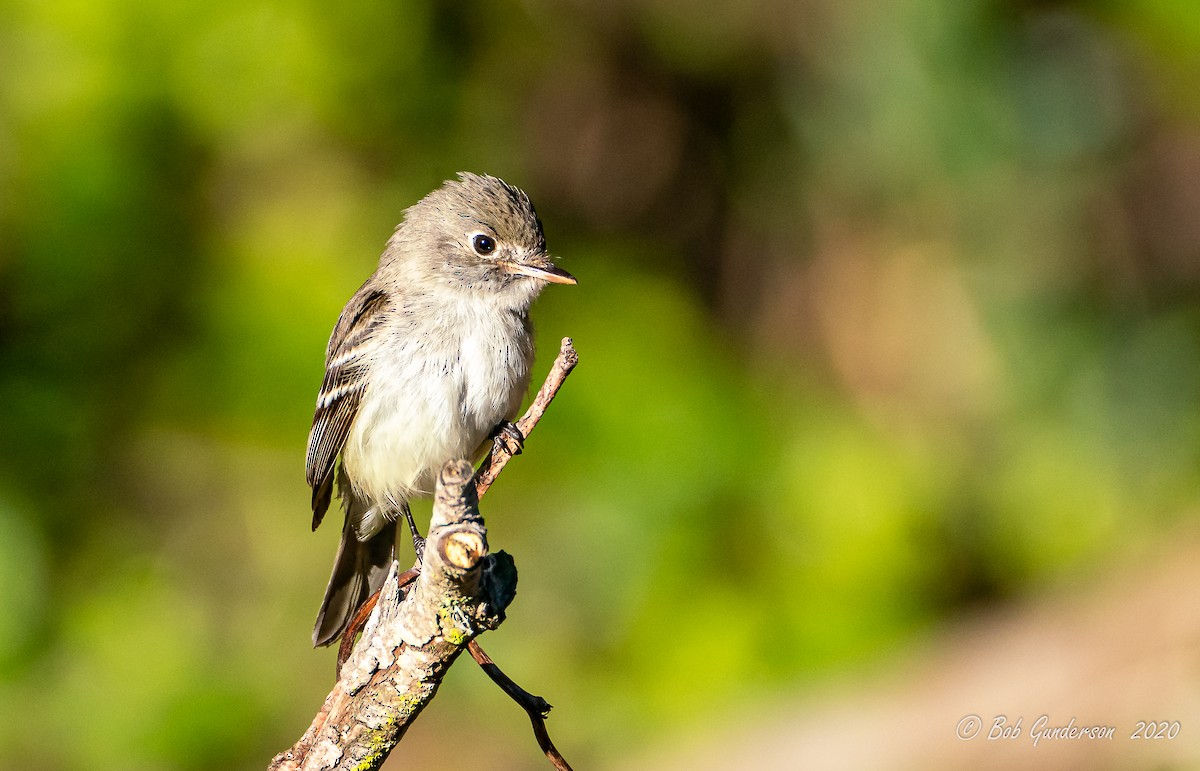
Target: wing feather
{"x": 347, "y": 359}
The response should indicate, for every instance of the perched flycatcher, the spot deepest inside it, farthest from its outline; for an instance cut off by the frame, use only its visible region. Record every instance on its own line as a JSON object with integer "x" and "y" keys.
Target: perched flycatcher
{"x": 430, "y": 356}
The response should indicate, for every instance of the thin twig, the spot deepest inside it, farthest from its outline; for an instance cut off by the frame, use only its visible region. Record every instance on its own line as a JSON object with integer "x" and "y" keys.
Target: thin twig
{"x": 535, "y": 706}
{"x": 500, "y": 454}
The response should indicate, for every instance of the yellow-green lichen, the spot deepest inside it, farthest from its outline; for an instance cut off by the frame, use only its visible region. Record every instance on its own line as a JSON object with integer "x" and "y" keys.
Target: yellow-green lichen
{"x": 449, "y": 614}
{"x": 382, "y": 740}
{"x": 410, "y": 705}
{"x": 379, "y": 744}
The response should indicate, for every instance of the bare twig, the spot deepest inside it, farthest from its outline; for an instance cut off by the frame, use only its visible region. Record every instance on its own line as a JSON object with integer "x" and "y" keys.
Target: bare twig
{"x": 535, "y": 706}
{"x": 501, "y": 454}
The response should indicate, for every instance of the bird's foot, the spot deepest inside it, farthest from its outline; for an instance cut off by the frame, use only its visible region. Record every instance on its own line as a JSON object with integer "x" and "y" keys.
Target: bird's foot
{"x": 509, "y": 438}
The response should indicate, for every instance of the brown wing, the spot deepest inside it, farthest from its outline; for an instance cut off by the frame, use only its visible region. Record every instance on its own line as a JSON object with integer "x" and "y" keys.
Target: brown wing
{"x": 346, "y": 361}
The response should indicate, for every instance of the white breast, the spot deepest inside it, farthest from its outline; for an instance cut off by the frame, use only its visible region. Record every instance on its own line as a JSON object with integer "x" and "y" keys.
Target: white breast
{"x": 435, "y": 393}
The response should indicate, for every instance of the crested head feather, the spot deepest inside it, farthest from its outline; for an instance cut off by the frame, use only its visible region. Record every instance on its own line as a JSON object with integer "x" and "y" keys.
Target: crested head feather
{"x": 479, "y": 202}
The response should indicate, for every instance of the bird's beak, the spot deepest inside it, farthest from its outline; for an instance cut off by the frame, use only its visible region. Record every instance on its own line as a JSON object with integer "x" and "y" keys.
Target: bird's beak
{"x": 539, "y": 267}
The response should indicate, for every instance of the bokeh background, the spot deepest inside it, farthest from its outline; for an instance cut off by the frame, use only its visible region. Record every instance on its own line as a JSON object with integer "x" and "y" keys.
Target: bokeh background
{"x": 888, "y": 410}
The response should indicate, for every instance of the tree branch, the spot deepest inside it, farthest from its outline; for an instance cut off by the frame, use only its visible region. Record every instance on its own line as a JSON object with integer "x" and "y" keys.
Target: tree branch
{"x": 407, "y": 646}
{"x": 417, "y": 630}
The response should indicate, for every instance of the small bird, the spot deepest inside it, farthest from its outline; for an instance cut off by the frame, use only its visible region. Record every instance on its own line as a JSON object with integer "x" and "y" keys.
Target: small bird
{"x": 429, "y": 359}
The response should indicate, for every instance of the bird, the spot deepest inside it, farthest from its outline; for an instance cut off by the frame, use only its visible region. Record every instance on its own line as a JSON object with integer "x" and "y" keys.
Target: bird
{"x": 428, "y": 361}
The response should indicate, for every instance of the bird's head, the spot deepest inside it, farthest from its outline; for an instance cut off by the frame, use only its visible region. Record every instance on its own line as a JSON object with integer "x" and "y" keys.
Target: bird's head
{"x": 477, "y": 233}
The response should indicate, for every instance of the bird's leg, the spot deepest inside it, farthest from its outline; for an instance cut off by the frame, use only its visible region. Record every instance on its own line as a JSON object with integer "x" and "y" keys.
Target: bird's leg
{"x": 509, "y": 437}
{"x": 418, "y": 541}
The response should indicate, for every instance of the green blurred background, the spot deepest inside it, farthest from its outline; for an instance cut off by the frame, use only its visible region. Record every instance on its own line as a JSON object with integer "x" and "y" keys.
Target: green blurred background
{"x": 889, "y": 317}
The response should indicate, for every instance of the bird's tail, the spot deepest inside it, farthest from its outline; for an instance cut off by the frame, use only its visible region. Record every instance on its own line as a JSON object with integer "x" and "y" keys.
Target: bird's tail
{"x": 358, "y": 572}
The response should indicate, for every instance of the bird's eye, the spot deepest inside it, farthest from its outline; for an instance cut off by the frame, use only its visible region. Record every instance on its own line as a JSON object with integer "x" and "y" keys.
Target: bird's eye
{"x": 484, "y": 245}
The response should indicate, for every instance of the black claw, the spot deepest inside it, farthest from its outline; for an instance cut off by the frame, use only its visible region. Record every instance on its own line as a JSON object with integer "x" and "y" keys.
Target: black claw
{"x": 515, "y": 443}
